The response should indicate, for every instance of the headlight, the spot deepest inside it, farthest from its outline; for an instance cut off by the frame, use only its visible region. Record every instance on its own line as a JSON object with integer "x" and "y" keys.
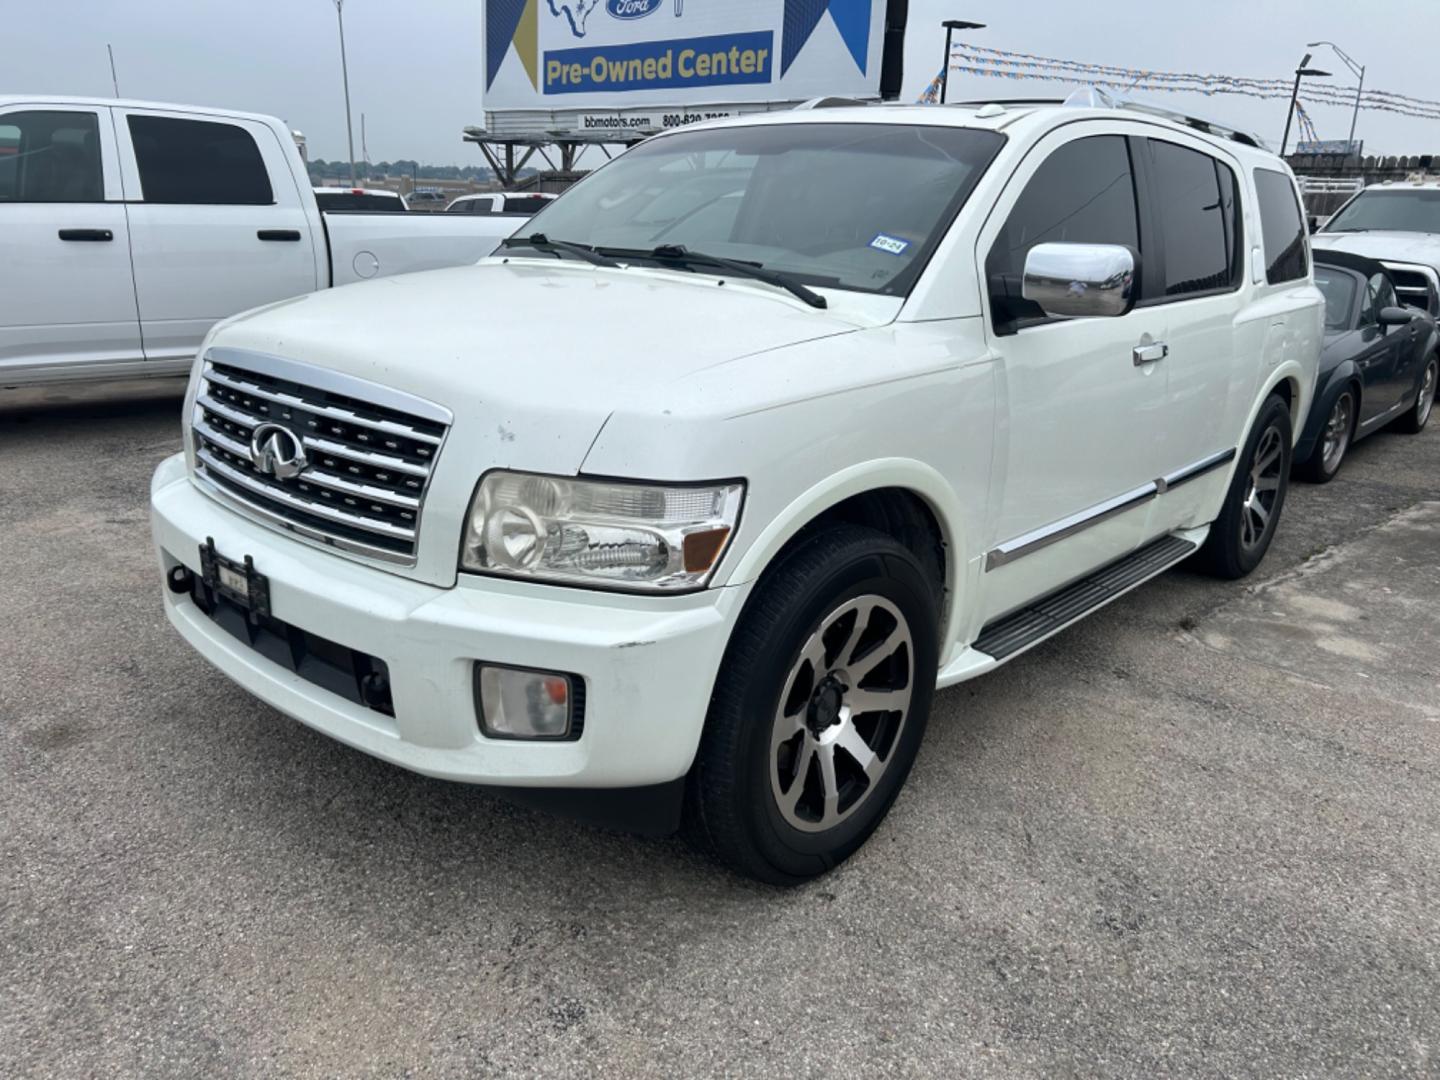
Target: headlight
{"x": 652, "y": 537}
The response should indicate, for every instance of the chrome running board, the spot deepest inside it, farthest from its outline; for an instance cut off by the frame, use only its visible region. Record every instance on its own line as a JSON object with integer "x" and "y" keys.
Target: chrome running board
{"x": 1020, "y": 630}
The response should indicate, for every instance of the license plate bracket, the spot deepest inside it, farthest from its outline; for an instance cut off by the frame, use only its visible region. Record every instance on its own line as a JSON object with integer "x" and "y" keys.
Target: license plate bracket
{"x": 240, "y": 583}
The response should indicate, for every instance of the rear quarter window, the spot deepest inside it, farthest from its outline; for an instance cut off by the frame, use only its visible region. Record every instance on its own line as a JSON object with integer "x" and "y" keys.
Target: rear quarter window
{"x": 1283, "y": 228}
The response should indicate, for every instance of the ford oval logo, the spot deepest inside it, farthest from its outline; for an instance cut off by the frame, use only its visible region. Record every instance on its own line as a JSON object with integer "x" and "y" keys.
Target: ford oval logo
{"x": 632, "y": 9}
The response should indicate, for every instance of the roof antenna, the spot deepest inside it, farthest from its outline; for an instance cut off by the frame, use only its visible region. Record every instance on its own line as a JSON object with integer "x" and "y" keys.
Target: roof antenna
{"x": 115, "y": 82}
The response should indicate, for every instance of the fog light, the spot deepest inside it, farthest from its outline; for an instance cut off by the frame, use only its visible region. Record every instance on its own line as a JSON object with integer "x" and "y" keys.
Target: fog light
{"x": 516, "y": 703}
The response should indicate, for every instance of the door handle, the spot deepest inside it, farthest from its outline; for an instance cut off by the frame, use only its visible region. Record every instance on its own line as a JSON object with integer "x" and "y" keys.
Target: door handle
{"x": 279, "y": 234}
{"x": 1149, "y": 354}
{"x": 103, "y": 236}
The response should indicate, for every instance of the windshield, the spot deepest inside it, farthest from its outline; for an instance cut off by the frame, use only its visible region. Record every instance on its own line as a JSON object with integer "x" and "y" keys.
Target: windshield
{"x": 854, "y": 206}
{"x": 1415, "y": 210}
{"x": 1339, "y": 290}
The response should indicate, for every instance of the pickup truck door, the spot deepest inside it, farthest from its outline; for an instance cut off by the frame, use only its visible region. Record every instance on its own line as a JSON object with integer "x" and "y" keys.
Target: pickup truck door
{"x": 1076, "y": 455}
{"x": 218, "y": 223}
{"x": 67, "y": 298}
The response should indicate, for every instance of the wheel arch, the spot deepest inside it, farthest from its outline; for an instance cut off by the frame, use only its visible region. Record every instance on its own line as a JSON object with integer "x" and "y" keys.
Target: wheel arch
{"x": 1290, "y": 382}
{"x": 904, "y": 498}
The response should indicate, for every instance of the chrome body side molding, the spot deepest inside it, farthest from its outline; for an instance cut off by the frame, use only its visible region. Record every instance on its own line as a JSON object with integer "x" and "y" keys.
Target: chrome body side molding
{"x": 1043, "y": 537}
{"x": 1194, "y": 472}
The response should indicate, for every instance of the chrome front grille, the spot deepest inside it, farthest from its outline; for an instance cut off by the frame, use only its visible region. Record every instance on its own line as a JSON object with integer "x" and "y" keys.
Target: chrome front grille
{"x": 370, "y": 451}
{"x": 1414, "y": 285}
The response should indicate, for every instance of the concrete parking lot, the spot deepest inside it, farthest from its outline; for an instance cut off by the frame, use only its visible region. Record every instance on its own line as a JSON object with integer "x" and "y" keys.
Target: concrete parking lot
{"x": 1198, "y": 834}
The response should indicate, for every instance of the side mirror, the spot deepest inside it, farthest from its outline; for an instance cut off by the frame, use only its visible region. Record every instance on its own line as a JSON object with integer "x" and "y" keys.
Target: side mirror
{"x": 1313, "y": 224}
{"x": 1395, "y": 316}
{"x": 1080, "y": 279}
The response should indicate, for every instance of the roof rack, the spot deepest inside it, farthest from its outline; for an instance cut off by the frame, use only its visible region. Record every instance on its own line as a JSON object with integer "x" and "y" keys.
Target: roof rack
{"x": 1092, "y": 97}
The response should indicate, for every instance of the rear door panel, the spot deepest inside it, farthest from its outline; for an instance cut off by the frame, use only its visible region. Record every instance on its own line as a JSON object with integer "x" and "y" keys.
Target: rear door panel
{"x": 197, "y": 262}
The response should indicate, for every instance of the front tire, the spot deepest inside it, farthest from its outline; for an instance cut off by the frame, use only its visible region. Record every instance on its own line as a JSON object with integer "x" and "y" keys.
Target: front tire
{"x": 1414, "y": 421}
{"x": 1241, "y": 535}
{"x": 1334, "y": 442}
{"x": 819, "y": 707}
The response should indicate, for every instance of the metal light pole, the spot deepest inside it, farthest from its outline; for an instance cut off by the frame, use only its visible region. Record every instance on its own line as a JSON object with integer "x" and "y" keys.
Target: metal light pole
{"x": 345, "y": 76}
{"x": 1301, "y": 72}
{"x": 1359, "y": 71}
{"x": 951, "y": 25}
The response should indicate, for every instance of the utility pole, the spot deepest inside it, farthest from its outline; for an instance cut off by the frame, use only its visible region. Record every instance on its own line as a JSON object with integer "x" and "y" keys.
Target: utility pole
{"x": 951, "y": 25}
{"x": 114, "y": 81}
{"x": 1301, "y": 72}
{"x": 345, "y": 77}
{"x": 1358, "y": 70}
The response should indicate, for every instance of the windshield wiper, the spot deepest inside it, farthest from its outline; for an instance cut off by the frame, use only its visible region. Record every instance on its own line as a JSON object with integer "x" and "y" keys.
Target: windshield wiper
{"x": 541, "y": 242}
{"x": 679, "y": 255}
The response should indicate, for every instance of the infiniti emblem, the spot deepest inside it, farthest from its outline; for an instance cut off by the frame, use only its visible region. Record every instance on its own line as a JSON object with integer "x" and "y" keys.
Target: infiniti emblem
{"x": 277, "y": 451}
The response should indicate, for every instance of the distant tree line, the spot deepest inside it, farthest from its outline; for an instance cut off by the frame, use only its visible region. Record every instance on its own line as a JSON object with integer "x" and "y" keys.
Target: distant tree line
{"x": 321, "y": 170}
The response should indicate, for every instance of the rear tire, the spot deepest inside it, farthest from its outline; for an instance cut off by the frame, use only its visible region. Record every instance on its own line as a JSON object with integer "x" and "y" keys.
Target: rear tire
{"x": 1414, "y": 421}
{"x": 1334, "y": 443}
{"x": 794, "y": 772}
{"x": 1241, "y": 535}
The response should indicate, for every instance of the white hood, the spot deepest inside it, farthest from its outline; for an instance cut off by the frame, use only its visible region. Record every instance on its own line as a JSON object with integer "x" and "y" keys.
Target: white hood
{"x": 1411, "y": 247}
{"x": 531, "y": 360}
{"x": 521, "y": 345}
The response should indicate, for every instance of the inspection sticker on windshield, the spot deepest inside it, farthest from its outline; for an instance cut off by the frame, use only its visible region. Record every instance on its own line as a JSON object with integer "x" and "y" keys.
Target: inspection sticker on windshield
{"x": 891, "y": 245}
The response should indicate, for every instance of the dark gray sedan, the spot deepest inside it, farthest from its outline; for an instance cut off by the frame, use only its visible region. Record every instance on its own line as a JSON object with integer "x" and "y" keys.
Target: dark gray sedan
{"x": 1379, "y": 365}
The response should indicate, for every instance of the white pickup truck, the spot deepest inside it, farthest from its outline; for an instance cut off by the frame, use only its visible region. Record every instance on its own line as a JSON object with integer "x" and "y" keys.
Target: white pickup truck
{"x": 129, "y": 229}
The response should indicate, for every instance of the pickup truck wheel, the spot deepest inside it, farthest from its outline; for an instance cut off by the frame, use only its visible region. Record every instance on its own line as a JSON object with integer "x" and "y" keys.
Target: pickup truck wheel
{"x": 1414, "y": 421}
{"x": 819, "y": 707}
{"x": 1334, "y": 441}
{"x": 1241, "y": 535}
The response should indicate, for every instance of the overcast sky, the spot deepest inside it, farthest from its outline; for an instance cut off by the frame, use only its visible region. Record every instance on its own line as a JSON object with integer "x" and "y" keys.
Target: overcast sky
{"x": 415, "y": 66}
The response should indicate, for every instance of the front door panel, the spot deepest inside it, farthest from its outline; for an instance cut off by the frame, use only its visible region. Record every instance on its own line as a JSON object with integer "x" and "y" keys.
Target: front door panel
{"x": 67, "y": 296}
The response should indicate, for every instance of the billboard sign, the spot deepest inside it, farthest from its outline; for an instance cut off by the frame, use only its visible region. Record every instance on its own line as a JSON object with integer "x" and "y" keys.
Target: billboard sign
{"x": 641, "y": 65}
{"x": 1329, "y": 146}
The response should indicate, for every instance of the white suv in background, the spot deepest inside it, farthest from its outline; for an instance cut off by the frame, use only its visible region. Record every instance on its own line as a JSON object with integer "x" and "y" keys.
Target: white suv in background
{"x": 693, "y": 493}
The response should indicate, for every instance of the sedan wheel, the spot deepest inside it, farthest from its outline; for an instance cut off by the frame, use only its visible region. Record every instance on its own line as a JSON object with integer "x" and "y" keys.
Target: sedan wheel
{"x": 1336, "y": 440}
{"x": 1414, "y": 421}
{"x": 1426, "y": 401}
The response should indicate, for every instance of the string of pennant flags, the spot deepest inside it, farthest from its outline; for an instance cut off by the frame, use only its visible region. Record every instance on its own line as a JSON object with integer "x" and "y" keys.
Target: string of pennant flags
{"x": 997, "y": 63}
{"x": 1307, "y": 127}
{"x": 1003, "y": 57}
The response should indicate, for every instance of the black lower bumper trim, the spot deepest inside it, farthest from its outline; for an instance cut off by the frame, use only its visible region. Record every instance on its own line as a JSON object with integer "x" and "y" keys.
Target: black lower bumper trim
{"x": 353, "y": 675}
{"x": 644, "y": 811}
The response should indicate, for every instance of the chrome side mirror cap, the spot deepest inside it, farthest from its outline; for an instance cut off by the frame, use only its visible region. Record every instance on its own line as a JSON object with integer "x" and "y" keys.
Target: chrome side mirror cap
{"x": 1077, "y": 280}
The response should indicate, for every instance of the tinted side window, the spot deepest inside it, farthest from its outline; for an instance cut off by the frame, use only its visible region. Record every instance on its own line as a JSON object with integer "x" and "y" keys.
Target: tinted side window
{"x": 524, "y": 204}
{"x": 1283, "y": 228}
{"x": 1083, "y": 193}
{"x": 1379, "y": 293}
{"x": 345, "y": 203}
{"x": 1192, "y": 207}
{"x": 50, "y": 157}
{"x": 198, "y": 162}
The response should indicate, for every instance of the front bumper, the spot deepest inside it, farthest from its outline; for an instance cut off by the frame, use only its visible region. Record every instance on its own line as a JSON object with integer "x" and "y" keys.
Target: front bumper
{"x": 649, "y": 663}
